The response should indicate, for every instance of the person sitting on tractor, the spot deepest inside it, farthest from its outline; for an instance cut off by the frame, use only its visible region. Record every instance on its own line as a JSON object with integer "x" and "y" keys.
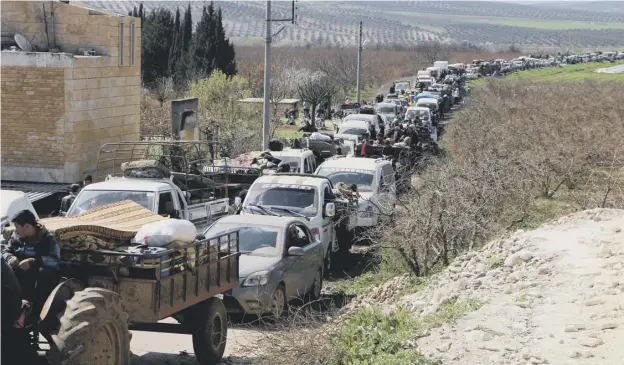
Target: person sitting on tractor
{"x": 34, "y": 255}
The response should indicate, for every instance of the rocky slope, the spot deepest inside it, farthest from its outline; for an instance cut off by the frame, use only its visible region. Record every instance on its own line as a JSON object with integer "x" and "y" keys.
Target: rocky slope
{"x": 550, "y": 296}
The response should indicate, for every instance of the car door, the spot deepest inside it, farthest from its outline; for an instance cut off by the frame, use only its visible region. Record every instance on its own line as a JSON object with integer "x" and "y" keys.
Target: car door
{"x": 297, "y": 267}
{"x": 387, "y": 189}
{"x": 313, "y": 257}
{"x": 328, "y": 229}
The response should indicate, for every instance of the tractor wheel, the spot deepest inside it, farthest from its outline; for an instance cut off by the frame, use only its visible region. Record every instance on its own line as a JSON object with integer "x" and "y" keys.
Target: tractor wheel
{"x": 209, "y": 328}
{"x": 94, "y": 330}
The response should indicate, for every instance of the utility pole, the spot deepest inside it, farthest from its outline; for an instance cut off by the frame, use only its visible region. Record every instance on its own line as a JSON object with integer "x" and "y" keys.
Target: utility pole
{"x": 266, "y": 118}
{"x": 359, "y": 65}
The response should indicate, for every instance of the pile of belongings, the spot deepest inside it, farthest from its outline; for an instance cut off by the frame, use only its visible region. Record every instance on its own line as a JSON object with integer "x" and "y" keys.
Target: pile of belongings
{"x": 145, "y": 169}
{"x": 100, "y": 234}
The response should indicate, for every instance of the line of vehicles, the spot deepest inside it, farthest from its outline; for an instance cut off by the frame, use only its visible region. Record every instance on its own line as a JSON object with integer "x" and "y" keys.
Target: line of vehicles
{"x": 273, "y": 225}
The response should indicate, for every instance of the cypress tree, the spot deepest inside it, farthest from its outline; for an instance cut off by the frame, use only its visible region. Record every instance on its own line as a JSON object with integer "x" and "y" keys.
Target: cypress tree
{"x": 204, "y": 42}
{"x": 157, "y": 30}
{"x": 176, "y": 43}
{"x": 184, "y": 66}
{"x": 141, "y": 12}
{"x": 187, "y": 33}
{"x": 224, "y": 54}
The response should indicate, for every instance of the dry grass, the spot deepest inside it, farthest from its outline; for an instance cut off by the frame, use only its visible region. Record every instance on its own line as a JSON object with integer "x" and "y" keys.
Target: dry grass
{"x": 512, "y": 161}
{"x": 518, "y": 155}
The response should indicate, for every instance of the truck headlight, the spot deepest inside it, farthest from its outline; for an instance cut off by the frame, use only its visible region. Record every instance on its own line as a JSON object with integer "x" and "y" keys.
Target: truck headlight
{"x": 257, "y": 279}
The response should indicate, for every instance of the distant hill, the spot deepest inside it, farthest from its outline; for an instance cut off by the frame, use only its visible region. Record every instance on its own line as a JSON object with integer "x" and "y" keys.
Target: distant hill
{"x": 614, "y": 7}
{"x": 494, "y": 24}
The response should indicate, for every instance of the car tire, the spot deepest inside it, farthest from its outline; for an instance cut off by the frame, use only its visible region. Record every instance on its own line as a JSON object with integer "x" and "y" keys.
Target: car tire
{"x": 317, "y": 285}
{"x": 327, "y": 262}
{"x": 279, "y": 303}
{"x": 209, "y": 330}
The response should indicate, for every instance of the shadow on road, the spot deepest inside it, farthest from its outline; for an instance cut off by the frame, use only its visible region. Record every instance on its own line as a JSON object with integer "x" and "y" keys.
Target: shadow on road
{"x": 159, "y": 358}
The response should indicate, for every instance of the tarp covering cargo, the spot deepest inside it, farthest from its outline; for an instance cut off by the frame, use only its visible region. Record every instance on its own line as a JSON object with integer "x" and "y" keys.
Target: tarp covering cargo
{"x": 117, "y": 221}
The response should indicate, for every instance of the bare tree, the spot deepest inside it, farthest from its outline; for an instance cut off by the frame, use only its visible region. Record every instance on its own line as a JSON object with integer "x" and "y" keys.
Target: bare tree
{"x": 341, "y": 67}
{"x": 163, "y": 90}
{"x": 315, "y": 88}
{"x": 433, "y": 51}
{"x": 281, "y": 88}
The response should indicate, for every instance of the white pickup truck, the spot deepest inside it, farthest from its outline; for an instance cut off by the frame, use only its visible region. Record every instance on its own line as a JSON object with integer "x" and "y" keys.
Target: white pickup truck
{"x": 161, "y": 196}
{"x": 376, "y": 185}
{"x": 300, "y": 195}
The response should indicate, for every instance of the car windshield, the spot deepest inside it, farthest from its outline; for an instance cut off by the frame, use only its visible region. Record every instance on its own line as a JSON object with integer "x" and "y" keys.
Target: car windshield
{"x": 253, "y": 240}
{"x": 292, "y": 161}
{"x": 89, "y": 199}
{"x": 420, "y": 113}
{"x": 385, "y": 110}
{"x": 352, "y": 130}
{"x": 431, "y": 106}
{"x": 298, "y": 199}
{"x": 402, "y": 86}
{"x": 362, "y": 178}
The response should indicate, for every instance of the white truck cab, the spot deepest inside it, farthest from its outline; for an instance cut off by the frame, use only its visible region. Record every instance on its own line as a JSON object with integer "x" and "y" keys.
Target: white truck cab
{"x": 160, "y": 195}
{"x": 300, "y": 160}
{"x": 299, "y": 195}
{"x": 425, "y": 114}
{"x": 352, "y": 130}
{"x": 376, "y": 185}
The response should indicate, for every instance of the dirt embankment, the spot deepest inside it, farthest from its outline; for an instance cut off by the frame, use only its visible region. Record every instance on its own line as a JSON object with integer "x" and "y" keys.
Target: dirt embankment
{"x": 554, "y": 295}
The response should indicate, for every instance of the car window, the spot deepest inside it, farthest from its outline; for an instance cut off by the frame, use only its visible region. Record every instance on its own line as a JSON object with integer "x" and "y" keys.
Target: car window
{"x": 165, "y": 203}
{"x": 296, "y": 236}
{"x": 253, "y": 240}
{"x": 327, "y": 194}
{"x": 308, "y": 166}
{"x": 388, "y": 175}
{"x": 302, "y": 235}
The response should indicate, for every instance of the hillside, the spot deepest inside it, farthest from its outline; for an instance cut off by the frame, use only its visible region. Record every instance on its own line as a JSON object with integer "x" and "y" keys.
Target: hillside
{"x": 496, "y": 24}
{"x": 614, "y": 7}
{"x": 545, "y": 296}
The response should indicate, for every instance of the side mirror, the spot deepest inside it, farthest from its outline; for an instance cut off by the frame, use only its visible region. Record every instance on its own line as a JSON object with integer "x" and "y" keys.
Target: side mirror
{"x": 330, "y": 209}
{"x": 296, "y": 251}
{"x": 238, "y": 201}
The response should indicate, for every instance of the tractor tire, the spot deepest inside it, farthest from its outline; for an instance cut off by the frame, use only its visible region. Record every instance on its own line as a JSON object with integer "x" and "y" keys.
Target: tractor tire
{"x": 209, "y": 328}
{"x": 94, "y": 329}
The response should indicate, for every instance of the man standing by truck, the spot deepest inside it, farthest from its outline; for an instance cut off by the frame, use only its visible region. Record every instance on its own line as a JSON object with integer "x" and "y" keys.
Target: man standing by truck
{"x": 34, "y": 255}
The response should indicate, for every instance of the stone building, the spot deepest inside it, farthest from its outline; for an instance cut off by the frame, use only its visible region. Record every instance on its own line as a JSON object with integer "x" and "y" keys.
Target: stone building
{"x": 76, "y": 89}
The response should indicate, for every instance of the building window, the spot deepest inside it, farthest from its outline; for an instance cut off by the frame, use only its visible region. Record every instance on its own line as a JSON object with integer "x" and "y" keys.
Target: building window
{"x": 131, "y": 44}
{"x": 121, "y": 44}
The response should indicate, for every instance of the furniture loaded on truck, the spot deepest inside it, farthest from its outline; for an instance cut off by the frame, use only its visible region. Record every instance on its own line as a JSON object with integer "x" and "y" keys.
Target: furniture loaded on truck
{"x": 110, "y": 284}
{"x": 163, "y": 177}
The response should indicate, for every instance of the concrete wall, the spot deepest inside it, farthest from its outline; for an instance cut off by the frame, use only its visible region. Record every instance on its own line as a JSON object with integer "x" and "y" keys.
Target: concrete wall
{"x": 33, "y": 122}
{"x": 98, "y": 97}
{"x": 69, "y": 26}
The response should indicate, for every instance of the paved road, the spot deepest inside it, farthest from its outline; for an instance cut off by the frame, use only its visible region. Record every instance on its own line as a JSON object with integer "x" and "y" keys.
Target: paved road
{"x": 611, "y": 70}
{"x": 153, "y": 348}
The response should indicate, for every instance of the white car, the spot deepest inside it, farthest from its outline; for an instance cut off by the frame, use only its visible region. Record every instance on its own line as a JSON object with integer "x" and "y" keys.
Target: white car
{"x": 376, "y": 185}
{"x": 352, "y": 130}
{"x": 425, "y": 114}
{"x": 300, "y": 160}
